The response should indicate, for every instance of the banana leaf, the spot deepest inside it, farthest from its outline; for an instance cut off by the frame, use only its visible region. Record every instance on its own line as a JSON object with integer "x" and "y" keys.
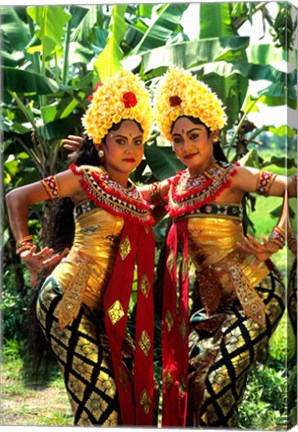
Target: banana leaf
{"x": 21, "y": 81}
{"x": 193, "y": 53}
{"x": 50, "y": 21}
{"x": 266, "y": 54}
{"x": 165, "y": 23}
{"x": 108, "y": 61}
{"x": 162, "y": 161}
{"x": 14, "y": 30}
{"x": 216, "y": 20}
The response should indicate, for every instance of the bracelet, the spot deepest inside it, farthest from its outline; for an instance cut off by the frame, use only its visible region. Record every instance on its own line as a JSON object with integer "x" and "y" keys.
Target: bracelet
{"x": 155, "y": 197}
{"x": 264, "y": 182}
{"x": 291, "y": 239}
{"x": 23, "y": 248}
{"x": 278, "y": 237}
{"x": 24, "y": 243}
{"x": 51, "y": 186}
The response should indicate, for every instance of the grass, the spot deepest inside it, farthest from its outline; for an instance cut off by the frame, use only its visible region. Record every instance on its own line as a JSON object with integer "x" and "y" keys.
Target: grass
{"x": 27, "y": 404}
{"x": 270, "y": 398}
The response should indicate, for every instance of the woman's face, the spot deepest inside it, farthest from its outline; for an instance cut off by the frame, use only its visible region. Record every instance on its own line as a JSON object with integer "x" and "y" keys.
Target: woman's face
{"x": 124, "y": 148}
{"x": 192, "y": 145}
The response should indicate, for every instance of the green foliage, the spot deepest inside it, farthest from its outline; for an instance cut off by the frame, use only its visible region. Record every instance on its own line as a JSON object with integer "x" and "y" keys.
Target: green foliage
{"x": 13, "y": 309}
{"x": 264, "y": 403}
{"x": 271, "y": 393}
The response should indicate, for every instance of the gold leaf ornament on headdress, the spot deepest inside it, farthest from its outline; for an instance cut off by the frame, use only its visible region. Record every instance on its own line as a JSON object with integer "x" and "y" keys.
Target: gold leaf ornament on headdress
{"x": 180, "y": 94}
{"x": 121, "y": 97}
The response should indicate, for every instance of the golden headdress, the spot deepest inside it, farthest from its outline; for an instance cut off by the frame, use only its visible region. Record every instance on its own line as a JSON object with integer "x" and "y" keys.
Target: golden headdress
{"x": 121, "y": 97}
{"x": 178, "y": 94}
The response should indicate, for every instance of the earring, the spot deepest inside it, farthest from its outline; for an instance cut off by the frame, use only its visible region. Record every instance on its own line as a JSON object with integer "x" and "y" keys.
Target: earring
{"x": 100, "y": 153}
{"x": 215, "y": 140}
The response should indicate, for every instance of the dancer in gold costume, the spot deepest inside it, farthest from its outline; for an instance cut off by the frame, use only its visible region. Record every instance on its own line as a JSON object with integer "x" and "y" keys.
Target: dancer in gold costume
{"x": 238, "y": 298}
{"x": 83, "y": 304}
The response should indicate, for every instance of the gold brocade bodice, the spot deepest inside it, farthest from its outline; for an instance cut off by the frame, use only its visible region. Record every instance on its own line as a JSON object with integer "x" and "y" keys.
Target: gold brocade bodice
{"x": 90, "y": 261}
{"x": 213, "y": 245}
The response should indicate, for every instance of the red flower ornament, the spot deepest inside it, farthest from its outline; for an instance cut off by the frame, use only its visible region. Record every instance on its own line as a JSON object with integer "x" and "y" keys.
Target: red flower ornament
{"x": 175, "y": 101}
{"x": 129, "y": 99}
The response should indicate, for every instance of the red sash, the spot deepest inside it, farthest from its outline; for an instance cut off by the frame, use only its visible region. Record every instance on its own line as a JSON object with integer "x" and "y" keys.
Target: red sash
{"x": 136, "y": 246}
{"x": 175, "y": 329}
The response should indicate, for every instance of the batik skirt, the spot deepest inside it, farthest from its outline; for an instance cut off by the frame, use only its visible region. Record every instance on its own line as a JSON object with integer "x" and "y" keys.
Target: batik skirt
{"x": 83, "y": 354}
{"x": 223, "y": 349}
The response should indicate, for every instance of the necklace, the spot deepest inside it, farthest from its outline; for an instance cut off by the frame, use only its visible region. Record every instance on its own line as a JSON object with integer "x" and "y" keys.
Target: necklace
{"x": 188, "y": 193}
{"x": 110, "y": 195}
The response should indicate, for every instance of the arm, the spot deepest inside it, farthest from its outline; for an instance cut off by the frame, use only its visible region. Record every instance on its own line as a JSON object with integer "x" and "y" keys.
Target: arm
{"x": 264, "y": 183}
{"x": 292, "y": 186}
{"x": 18, "y": 203}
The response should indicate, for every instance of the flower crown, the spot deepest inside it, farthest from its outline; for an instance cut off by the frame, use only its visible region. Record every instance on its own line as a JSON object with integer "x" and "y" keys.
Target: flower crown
{"x": 121, "y": 97}
{"x": 179, "y": 93}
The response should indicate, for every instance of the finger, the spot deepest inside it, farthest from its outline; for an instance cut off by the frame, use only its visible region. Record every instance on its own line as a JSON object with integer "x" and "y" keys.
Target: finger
{"x": 75, "y": 138}
{"x": 253, "y": 240}
{"x": 69, "y": 146}
{"x": 243, "y": 246}
{"x": 45, "y": 252}
{"x": 71, "y": 155}
{"x": 52, "y": 261}
{"x": 65, "y": 252}
{"x": 28, "y": 253}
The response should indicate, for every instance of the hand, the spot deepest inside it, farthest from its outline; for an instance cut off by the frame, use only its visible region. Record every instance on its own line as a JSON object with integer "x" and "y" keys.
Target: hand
{"x": 262, "y": 251}
{"x": 73, "y": 143}
{"x": 37, "y": 261}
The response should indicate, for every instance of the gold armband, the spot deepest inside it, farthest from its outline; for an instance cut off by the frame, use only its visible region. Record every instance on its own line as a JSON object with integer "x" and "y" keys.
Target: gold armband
{"x": 51, "y": 186}
{"x": 25, "y": 243}
{"x": 278, "y": 237}
{"x": 264, "y": 182}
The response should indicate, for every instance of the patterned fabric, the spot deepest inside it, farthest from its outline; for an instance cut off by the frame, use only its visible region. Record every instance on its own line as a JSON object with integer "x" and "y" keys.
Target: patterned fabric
{"x": 187, "y": 194}
{"x": 219, "y": 210}
{"x": 112, "y": 234}
{"x": 110, "y": 195}
{"x": 222, "y": 350}
{"x": 82, "y": 351}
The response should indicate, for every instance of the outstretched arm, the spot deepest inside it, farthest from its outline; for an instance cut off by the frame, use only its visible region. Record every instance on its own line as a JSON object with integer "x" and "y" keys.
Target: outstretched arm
{"x": 261, "y": 182}
{"x": 18, "y": 203}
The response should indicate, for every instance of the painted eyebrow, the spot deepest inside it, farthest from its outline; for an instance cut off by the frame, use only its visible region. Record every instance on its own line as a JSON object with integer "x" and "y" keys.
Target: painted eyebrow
{"x": 192, "y": 130}
{"x": 125, "y": 137}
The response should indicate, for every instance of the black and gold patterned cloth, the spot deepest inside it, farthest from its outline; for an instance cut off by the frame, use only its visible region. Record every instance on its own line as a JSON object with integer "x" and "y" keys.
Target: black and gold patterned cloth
{"x": 222, "y": 350}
